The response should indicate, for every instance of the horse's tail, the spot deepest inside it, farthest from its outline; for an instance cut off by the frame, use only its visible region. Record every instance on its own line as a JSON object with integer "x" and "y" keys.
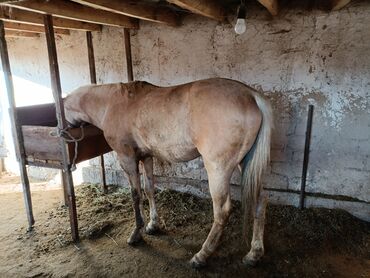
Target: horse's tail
{"x": 256, "y": 161}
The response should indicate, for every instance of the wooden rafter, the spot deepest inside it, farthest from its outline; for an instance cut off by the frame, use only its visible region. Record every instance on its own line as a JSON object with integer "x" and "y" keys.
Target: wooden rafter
{"x": 13, "y": 33}
{"x": 207, "y": 8}
{"x": 31, "y": 28}
{"x": 338, "y": 4}
{"x": 138, "y": 10}
{"x": 71, "y": 10}
{"x": 271, "y": 5}
{"x": 16, "y": 15}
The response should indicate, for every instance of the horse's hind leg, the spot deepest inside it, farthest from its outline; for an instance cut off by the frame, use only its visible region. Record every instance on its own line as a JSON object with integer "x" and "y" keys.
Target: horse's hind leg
{"x": 257, "y": 248}
{"x": 129, "y": 164}
{"x": 153, "y": 224}
{"x": 220, "y": 192}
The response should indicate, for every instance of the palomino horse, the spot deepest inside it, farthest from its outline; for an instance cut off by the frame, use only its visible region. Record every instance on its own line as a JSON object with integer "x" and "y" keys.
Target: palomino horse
{"x": 224, "y": 121}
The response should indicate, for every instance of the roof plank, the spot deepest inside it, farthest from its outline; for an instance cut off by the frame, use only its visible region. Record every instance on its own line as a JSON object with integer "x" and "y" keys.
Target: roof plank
{"x": 207, "y": 8}
{"x": 140, "y": 10}
{"x": 13, "y": 33}
{"x": 338, "y": 4}
{"x": 271, "y": 5}
{"x": 17, "y": 15}
{"x": 31, "y": 28}
{"x": 71, "y": 10}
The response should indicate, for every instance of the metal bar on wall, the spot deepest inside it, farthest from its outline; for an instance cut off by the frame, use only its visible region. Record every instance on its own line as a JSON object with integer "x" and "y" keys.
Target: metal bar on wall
{"x": 57, "y": 94}
{"x": 306, "y": 156}
{"x": 16, "y": 129}
{"x": 90, "y": 51}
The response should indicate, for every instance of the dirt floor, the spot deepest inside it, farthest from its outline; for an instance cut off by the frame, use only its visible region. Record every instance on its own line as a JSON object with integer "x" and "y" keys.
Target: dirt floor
{"x": 309, "y": 243}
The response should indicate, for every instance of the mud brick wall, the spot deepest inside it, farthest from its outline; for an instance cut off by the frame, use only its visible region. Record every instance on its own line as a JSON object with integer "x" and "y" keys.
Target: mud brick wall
{"x": 301, "y": 57}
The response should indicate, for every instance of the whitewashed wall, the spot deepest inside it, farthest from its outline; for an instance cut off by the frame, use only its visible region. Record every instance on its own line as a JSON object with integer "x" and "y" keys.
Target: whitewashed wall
{"x": 298, "y": 58}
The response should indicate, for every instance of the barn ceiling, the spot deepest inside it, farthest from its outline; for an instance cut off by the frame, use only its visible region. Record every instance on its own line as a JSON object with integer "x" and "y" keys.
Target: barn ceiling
{"x": 24, "y": 17}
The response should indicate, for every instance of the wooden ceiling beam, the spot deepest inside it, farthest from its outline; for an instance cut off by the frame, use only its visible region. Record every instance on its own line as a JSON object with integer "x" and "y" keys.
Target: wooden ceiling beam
{"x": 71, "y": 10}
{"x": 137, "y": 9}
{"x": 271, "y": 5}
{"x": 17, "y": 15}
{"x": 13, "y": 33}
{"x": 15, "y": 26}
{"x": 207, "y": 8}
{"x": 338, "y": 4}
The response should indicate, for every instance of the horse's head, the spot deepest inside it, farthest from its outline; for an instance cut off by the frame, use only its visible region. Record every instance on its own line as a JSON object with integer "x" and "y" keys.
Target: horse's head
{"x": 75, "y": 116}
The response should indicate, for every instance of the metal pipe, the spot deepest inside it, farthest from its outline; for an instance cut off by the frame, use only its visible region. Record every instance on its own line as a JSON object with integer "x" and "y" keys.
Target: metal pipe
{"x": 306, "y": 156}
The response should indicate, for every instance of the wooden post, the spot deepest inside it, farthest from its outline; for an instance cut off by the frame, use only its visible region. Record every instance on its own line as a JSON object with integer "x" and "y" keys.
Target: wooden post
{"x": 57, "y": 94}
{"x": 64, "y": 186}
{"x": 16, "y": 128}
{"x": 306, "y": 156}
{"x": 130, "y": 75}
{"x": 90, "y": 51}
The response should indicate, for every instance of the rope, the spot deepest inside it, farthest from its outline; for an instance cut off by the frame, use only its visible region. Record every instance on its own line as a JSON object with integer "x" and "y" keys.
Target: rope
{"x": 70, "y": 139}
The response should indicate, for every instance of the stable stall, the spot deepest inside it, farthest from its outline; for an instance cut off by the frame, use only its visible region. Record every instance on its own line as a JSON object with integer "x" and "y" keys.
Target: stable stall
{"x": 41, "y": 134}
{"x": 38, "y": 142}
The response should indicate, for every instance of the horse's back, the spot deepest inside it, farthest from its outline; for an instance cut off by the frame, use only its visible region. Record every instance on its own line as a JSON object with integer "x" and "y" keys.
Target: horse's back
{"x": 177, "y": 123}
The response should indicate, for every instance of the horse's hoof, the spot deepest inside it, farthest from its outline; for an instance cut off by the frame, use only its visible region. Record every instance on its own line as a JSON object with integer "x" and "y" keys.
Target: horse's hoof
{"x": 151, "y": 229}
{"x": 248, "y": 261}
{"x": 134, "y": 238}
{"x": 196, "y": 264}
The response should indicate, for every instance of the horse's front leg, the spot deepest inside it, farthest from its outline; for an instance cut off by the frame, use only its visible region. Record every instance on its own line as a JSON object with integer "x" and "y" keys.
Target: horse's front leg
{"x": 153, "y": 225}
{"x": 129, "y": 164}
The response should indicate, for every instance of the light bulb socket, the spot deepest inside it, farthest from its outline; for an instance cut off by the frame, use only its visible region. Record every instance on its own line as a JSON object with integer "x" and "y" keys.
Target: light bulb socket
{"x": 242, "y": 13}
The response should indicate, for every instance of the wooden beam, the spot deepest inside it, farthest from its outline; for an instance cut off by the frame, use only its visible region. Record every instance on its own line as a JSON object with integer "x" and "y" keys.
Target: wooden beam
{"x": 338, "y": 4}
{"x": 62, "y": 123}
{"x": 271, "y": 5}
{"x": 207, "y": 8}
{"x": 130, "y": 73}
{"x": 15, "y": 127}
{"x": 137, "y": 9}
{"x": 14, "y": 33}
{"x": 31, "y": 28}
{"x": 17, "y": 15}
{"x": 92, "y": 69}
{"x": 71, "y": 10}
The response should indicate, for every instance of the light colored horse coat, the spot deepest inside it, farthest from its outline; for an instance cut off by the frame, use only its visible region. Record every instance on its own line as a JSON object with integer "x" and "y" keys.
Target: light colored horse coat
{"x": 222, "y": 120}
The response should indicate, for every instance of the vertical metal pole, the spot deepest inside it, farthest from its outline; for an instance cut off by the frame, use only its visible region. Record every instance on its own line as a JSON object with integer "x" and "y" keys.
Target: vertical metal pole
{"x": 90, "y": 51}
{"x": 16, "y": 128}
{"x": 130, "y": 74}
{"x": 57, "y": 94}
{"x": 306, "y": 156}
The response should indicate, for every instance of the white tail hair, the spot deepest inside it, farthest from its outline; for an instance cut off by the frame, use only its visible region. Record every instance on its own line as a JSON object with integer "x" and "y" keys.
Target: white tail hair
{"x": 256, "y": 160}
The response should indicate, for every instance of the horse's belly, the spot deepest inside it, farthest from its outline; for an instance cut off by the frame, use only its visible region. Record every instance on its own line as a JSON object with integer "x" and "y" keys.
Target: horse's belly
{"x": 170, "y": 150}
{"x": 176, "y": 153}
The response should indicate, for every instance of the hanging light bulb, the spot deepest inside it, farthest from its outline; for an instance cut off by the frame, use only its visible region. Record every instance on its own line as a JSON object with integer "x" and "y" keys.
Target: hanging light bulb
{"x": 240, "y": 26}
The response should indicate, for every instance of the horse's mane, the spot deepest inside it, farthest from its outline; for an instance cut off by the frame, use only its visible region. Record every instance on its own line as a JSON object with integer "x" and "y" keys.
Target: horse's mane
{"x": 137, "y": 87}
